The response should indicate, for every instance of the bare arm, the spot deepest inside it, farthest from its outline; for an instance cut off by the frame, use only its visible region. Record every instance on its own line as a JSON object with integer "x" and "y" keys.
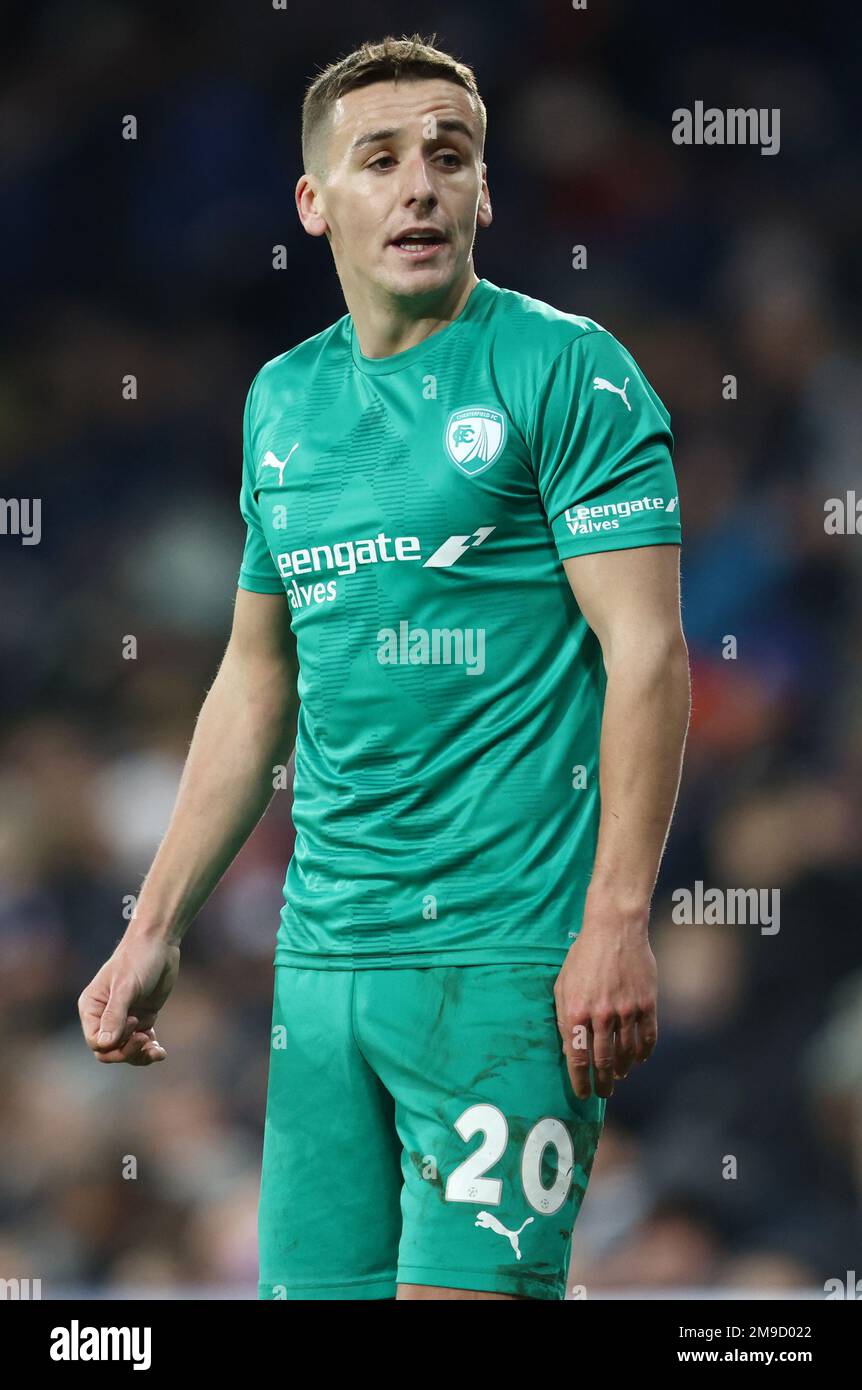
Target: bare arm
{"x": 247, "y": 724}
{"x": 607, "y": 986}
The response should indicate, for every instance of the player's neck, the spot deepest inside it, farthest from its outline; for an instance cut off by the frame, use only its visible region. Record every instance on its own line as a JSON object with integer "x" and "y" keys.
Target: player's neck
{"x": 386, "y": 324}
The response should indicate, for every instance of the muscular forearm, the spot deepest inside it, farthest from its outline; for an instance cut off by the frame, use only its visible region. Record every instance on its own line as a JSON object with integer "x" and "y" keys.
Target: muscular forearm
{"x": 647, "y": 704}
{"x": 246, "y": 724}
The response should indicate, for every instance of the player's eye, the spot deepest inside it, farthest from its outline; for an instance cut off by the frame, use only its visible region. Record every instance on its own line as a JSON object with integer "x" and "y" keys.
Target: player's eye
{"x": 381, "y": 162}
{"x": 453, "y": 160}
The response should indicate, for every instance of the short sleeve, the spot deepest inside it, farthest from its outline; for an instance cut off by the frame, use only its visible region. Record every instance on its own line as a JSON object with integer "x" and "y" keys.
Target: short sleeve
{"x": 257, "y": 571}
{"x": 602, "y": 449}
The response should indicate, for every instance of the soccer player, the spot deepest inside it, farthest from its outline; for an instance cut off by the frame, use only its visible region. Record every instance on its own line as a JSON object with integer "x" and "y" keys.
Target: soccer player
{"x": 462, "y": 564}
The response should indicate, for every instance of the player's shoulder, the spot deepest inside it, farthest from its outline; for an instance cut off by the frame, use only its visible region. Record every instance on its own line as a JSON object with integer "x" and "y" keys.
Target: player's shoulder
{"x": 537, "y": 328}
{"x": 532, "y": 343}
{"x": 298, "y": 364}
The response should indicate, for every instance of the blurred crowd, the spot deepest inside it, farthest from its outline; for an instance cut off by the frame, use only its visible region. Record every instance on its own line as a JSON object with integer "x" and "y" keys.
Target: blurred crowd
{"x": 734, "y": 1158}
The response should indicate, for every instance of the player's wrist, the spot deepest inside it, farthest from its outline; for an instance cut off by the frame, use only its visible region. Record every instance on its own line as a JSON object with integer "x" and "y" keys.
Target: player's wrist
{"x": 617, "y": 907}
{"x": 146, "y": 926}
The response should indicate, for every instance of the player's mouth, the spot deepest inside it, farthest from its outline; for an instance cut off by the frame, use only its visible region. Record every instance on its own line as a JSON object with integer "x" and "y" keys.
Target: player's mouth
{"x": 419, "y": 243}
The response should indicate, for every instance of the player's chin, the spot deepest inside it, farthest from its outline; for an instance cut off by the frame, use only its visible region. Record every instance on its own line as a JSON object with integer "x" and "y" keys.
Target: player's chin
{"x": 423, "y": 274}
{"x": 420, "y": 286}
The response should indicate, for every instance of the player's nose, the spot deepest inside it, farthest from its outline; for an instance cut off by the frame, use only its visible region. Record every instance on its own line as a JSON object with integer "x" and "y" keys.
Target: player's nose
{"x": 417, "y": 184}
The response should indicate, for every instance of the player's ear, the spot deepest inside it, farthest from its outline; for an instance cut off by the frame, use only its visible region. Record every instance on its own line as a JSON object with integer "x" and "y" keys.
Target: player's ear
{"x": 308, "y": 206}
{"x": 484, "y": 215}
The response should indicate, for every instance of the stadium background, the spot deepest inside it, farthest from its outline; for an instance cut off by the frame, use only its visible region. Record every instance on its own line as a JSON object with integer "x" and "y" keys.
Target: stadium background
{"x": 155, "y": 257}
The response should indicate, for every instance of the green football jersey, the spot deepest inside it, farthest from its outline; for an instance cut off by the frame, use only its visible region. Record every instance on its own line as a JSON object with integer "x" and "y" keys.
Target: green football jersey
{"x": 415, "y": 510}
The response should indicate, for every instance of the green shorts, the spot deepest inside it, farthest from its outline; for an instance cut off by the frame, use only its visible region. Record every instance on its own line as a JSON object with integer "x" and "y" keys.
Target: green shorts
{"x": 420, "y": 1129}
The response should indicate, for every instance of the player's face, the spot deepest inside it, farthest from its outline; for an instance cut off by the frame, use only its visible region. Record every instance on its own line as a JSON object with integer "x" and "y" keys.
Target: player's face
{"x": 403, "y": 156}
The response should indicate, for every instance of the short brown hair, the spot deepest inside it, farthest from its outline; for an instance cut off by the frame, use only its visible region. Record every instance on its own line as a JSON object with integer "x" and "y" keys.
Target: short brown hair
{"x": 411, "y": 58}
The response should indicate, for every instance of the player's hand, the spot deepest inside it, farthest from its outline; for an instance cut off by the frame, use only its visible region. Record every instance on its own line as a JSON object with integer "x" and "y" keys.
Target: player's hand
{"x": 119, "y": 1006}
{"x": 606, "y": 1001}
